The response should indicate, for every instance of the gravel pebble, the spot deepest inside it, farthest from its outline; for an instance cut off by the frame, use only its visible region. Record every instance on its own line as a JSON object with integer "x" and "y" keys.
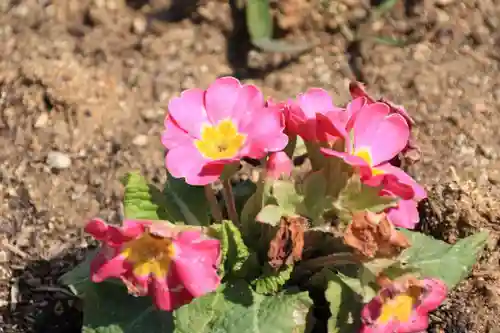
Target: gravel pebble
{"x": 58, "y": 160}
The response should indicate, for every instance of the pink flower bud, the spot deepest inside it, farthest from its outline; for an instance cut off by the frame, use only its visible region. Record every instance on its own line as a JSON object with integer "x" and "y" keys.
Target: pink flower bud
{"x": 279, "y": 164}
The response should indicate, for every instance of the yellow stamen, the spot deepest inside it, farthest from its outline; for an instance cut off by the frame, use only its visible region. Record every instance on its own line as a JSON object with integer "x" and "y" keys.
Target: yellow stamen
{"x": 365, "y": 154}
{"x": 149, "y": 255}
{"x": 400, "y": 307}
{"x": 221, "y": 141}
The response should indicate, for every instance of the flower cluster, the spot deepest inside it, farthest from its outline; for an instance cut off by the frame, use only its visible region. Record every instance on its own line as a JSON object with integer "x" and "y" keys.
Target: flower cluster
{"x": 207, "y": 135}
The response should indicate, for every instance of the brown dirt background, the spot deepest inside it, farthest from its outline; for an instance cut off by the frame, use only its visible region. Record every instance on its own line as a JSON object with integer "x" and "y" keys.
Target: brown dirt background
{"x": 92, "y": 78}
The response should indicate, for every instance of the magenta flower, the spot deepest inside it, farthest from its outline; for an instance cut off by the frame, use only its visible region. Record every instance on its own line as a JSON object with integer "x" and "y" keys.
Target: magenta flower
{"x": 375, "y": 137}
{"x": 206, "y": 130}
{"x": 279, "y": 164}
{"x": 154, "y": 259}
{"x": 411, "y": 153}
{"x": 301, "y": 115}
{"x": 403, "y": 306}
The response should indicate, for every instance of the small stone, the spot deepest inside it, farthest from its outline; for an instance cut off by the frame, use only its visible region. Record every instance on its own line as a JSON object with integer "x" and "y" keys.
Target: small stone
{"x": 42, "y": 120}
{"x": 58, "y": 160}
{"x": 422, "y": 52}
{"x": 140, "y": 140}
{"x": 149, "y": 114}
{"x": 442, "y": 16}
{"x": 139, "y": 25}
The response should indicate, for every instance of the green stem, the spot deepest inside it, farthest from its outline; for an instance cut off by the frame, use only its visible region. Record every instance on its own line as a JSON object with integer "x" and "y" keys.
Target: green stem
{"x": 336, "y": 259}
{"x": 214, "y": 205}
{"x": 227, "y": 192}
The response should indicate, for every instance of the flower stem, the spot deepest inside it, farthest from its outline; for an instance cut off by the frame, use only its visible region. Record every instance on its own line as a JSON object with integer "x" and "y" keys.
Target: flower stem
{"x": 336, "y": 259}
{"x": 214, "y": 205}
{"x": 227, "y": 192}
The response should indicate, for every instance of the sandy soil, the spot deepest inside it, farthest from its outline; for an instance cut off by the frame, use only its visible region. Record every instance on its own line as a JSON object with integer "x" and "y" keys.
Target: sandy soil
{"x": 83, "y": 90}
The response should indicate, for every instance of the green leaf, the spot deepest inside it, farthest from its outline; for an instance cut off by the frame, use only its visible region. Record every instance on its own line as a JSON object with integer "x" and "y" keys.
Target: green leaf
{"x": 259, "y": 19}
{"x": 236, "y": 257}
{"x": 271, "y": 281}
{"x": 78, "y": 278}
{"x": 316, "y": 200}
{"x": 108, "y": 308}
{"x": 286, "y": 195}
{"x": 259, "y": 199}
{"x": 190, "y": 200}
{"x": 434, "y": 258}
{"x": 144, "y": 201}
{"x": 345, "y": 304}
{"x": 361, "y": 286}
{"x": 242, "y": 192}
{"x": 357, "y": 196}
{"x": 270, "y": 214}
{"x": 300, "y": 147}
{"x": 236, "y": 308}
{"x": 281, "y": 46}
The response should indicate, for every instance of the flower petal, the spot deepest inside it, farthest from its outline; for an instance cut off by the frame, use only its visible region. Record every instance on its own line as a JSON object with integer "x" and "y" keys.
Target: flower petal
{"x": 315, "y": 100}
{"x": 390, "y": 139}
{"x": 103, "y": 268}
{"x": 187, "y": 162}
{"x": 417, "y": 323}
{"x": 174, "y": 136}
{"x": 195, "y": 268}
{"x": 97, "y": 228}
{"x": 221, "y": 99}
{"x": 436, "y": 294}
{"x": 366, "y": 123}
{"x": 188, "y": 111}
{"x": 419, "y": 193}
{"x": 405, "y": 215}
{"x": 169, "y": 294}
{"x": 279, "y": 164}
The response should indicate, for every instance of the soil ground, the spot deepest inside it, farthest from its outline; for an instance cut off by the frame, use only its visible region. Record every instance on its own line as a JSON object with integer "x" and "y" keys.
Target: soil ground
{"x": 90, "y": 79}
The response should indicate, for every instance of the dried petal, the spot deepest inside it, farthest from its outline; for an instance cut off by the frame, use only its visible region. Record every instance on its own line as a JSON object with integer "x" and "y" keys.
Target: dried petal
{"x": 288, "y": 243}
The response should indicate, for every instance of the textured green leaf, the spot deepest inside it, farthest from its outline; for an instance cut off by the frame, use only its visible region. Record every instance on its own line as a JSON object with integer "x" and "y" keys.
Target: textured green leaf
{"x": 357, "y": 196}
{"x": 259, "y": 19}
{"x": 79, "y": 277}
{"x": 316, "y": 200}
{"x": 281, "y": 46}
{"x": 433, "y": 258}
{"x": 270, "y": 214}
{"x": 271, "y": 282}
{"x": 361, "y": 286}
{"x": 345, "y": 304}
{"x": 237, "y": 260}
{"x": 108, "y": 308}
{"x": 145, "y": 201}
{"x": 190, "y": 200}
{"x": 236, "y": 308}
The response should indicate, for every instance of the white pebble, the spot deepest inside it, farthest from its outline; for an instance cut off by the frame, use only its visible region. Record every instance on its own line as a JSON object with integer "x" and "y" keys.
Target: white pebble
{"x": 140, "y": 140}
{"x": 58, "y": 160}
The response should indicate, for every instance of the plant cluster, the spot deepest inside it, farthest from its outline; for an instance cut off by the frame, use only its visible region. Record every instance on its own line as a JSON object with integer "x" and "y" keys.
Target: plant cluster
{"x": 295, "y": 250}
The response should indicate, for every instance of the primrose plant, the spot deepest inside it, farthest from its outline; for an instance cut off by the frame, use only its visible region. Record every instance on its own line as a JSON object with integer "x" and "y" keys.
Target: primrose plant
{"x": 213, "y": 251}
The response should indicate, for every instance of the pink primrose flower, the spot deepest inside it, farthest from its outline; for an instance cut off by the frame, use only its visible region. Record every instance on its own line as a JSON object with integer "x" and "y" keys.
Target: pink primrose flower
{"x": 411, "y": 153}
{"x": 153, "y": 259}
{"x": 207, "y": 129}
{"x": 403, "y": 306}
{"x": 375, "y": 137}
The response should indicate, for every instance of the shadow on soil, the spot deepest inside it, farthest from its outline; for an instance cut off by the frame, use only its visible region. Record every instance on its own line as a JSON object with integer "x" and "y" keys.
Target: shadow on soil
{"x": 38, "y": 303}
{"x": 237, "y": 40}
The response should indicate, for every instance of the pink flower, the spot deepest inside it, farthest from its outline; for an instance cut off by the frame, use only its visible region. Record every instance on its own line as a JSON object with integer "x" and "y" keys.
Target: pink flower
{"x": 153, "y": 259}
{"x": 279, "y": 164}
{"x": 403, "y": 306}
{"x": 375, "y": 137}
{"x": 301, "y": 114}
{"x": 411, "y": 153}
{"x": 206, "y": 130}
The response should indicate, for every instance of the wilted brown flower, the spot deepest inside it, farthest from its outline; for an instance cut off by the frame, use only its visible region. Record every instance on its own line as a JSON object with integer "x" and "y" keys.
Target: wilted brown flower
{"x": 288, "y": 243}
{"x": 372, "y": 235}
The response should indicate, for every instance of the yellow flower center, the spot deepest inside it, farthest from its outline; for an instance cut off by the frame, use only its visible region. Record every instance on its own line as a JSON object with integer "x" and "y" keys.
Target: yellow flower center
{"x": 365, "y": 154}
{"x": 149, "y": 255}
{"x": 221, "y": 141}
{"x": 400, "y": 307}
